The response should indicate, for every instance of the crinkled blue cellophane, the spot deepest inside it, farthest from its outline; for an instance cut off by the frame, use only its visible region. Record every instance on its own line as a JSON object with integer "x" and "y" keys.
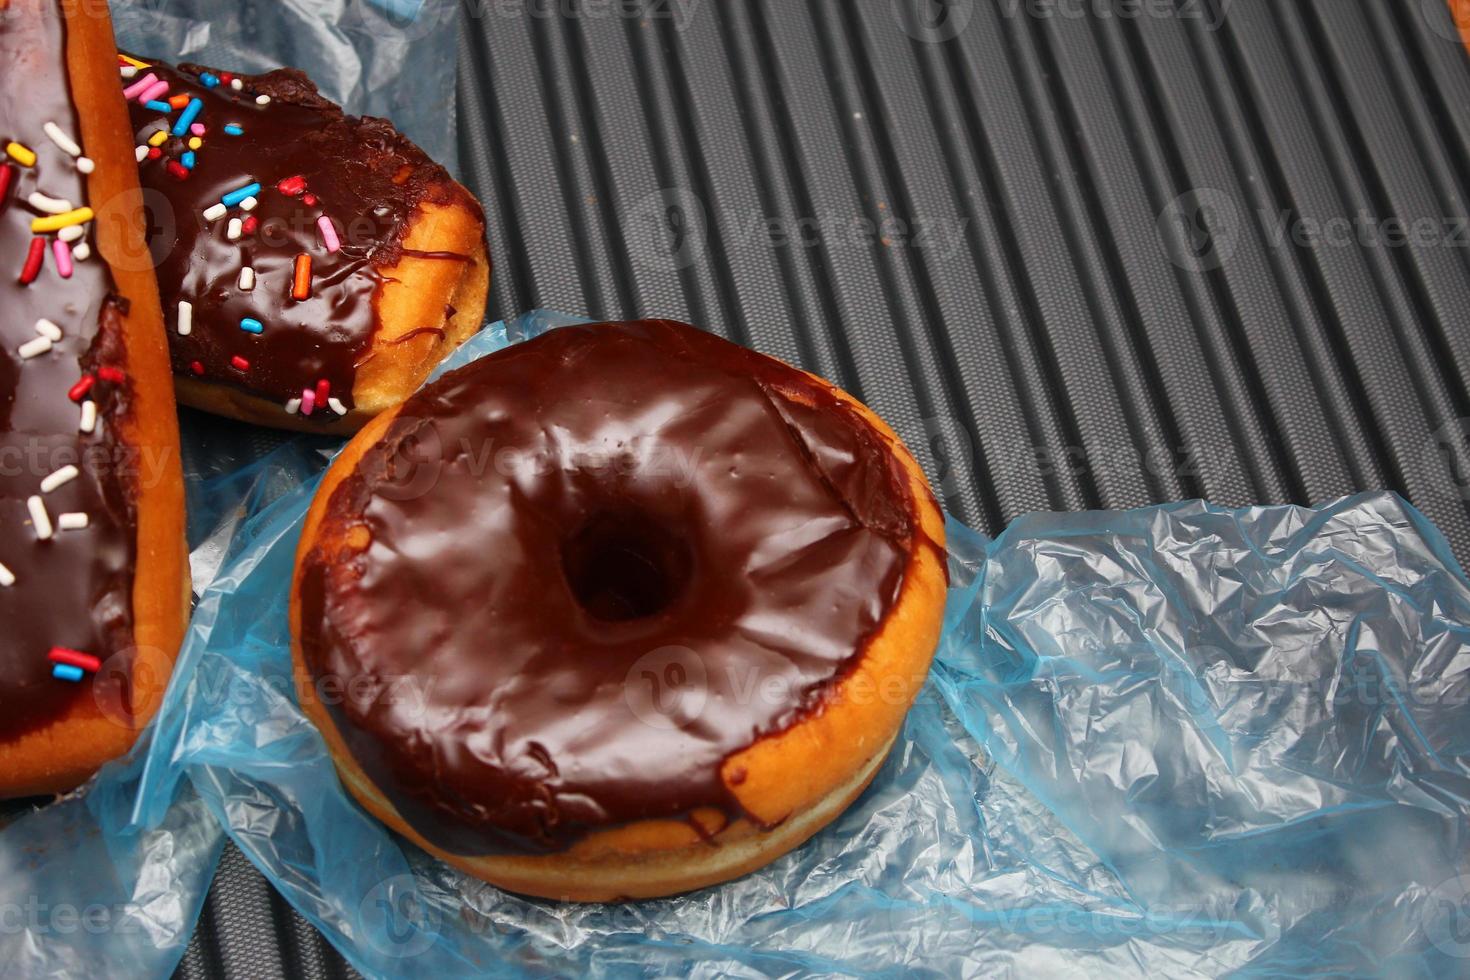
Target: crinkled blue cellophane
{"x": 1180, "y": 740}
{"x": 389, "y": 58}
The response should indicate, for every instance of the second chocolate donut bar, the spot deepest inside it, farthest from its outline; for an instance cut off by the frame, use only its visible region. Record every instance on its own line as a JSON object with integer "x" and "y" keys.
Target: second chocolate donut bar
{"x": 313, "y": 266}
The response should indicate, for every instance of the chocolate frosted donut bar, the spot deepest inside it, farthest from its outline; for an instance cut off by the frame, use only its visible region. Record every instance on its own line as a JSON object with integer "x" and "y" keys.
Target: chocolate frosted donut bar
{"x": 313, "y": 266}
{"x": 93, "y": 582}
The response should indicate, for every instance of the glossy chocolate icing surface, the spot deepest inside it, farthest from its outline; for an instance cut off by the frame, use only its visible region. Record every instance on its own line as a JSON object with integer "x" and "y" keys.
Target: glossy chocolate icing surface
{"x": 73, "y": 588}
{"x": 311, "y": 162}
{"x": 600, "y": 563}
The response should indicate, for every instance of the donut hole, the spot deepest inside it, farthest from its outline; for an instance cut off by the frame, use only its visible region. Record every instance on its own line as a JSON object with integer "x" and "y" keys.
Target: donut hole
{"x": 625, "y": 566}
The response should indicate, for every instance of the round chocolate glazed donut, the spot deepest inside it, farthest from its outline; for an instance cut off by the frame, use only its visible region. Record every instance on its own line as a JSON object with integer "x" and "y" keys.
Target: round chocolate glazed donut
{"x": 617, "y": 612}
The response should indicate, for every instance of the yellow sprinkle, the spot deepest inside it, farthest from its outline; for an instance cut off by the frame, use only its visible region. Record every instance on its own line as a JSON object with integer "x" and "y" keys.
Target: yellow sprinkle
{"x": 21, "y": 154}
{"x": 134, "y": 61}
{"x": 195, "y": 142}
{"x": 157, "y": 138}
{"x": 56, "y": 222}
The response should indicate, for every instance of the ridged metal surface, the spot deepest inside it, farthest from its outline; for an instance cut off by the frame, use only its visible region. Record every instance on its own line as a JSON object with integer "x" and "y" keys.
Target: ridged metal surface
{"x": 1115, "y": 298}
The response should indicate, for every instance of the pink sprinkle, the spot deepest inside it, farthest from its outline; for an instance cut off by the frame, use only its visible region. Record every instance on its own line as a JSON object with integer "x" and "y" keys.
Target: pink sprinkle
{"x": 308, "y": 401}
{"x": 62, "y": 251}
{"x": 197, "y": 129}
{"x": 329, "y": 233}
{"x": 153, "y": 91}
{"x": 132, "y": 90}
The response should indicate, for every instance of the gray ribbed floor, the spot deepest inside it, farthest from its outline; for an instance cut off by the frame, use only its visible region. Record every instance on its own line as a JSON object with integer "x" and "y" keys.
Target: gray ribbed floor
{"x": 1042, "y": 344}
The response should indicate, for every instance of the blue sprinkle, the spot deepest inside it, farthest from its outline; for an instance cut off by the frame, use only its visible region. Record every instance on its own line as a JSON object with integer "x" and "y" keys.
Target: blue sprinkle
{"x": 233, "y": 129}
{"x": 157, "y": 106}
{"x": 66, "y": 672}
{"x": 209, "y": 80}
{"x": 239, "y": 194}
{"x": 251, "y": 325}
{"x": 187, "y": 160}
{"x": 191, "y": 111}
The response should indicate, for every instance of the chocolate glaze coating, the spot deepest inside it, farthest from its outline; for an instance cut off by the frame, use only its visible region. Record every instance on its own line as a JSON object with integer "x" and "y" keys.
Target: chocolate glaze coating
{"x": 366, "y": 177}
{"x": 74, "y": 590}
{"x": 601, "y": 562}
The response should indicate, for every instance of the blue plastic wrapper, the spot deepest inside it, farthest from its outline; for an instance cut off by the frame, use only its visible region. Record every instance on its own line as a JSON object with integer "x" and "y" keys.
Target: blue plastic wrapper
{"x": 389, "y": 58}
{"x": 1179, "y": 740}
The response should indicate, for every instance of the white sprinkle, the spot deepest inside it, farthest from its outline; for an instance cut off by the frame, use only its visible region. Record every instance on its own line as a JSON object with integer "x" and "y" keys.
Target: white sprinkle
{"x": 186, "y": 317}
{"x": 51, "y": 205}
{"x": 128, "y": 71}
{"x": 140, "y": 152}
{"x": 215, "y": 212}
{"x": 35, "y": 347}
{"x": 247, "y": 278}
{"x": 292, "y": 405}
{"x": 85, "y": 165}
{"x": 89, "y": 416}
{"x": 335, "y": 404}
{"x": 262, "y": 100}
{"x": 6, "y": 577}
{"x": 62, "y": 140}
{"x": 232, "y": 231}
{"x": 81, "y": 252}
{"x": 40, "y": 520}
{"x": 236, "y": 84}
{"x": 46, "y": 328}
{"x": 74, "y": 521}
{"x": 72, "y": 232}
{"x": 248, "y": 204}
{"x": 60, "y": 478}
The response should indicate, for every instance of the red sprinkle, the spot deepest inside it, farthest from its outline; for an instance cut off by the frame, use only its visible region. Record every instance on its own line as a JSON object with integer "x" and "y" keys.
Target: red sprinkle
{"x": 113, "y": 374}
{"x": 240, "y": 363}
{"x": 177, "y": 170}
{"x": 248, "y": 226}
{"x": 79, "y": 390}
{"x": 62, "y": 655}
{"x": 323, "y": 389}
{"x": 32, "y": 268}
{"x": 292, "y": 185}
{"x": 226, "y": 77}
{"x": 309, "y": 199}
{"x": 197, "y": 368}
{"x": 154, "y": 153}
{"x": 6, "y": 173}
